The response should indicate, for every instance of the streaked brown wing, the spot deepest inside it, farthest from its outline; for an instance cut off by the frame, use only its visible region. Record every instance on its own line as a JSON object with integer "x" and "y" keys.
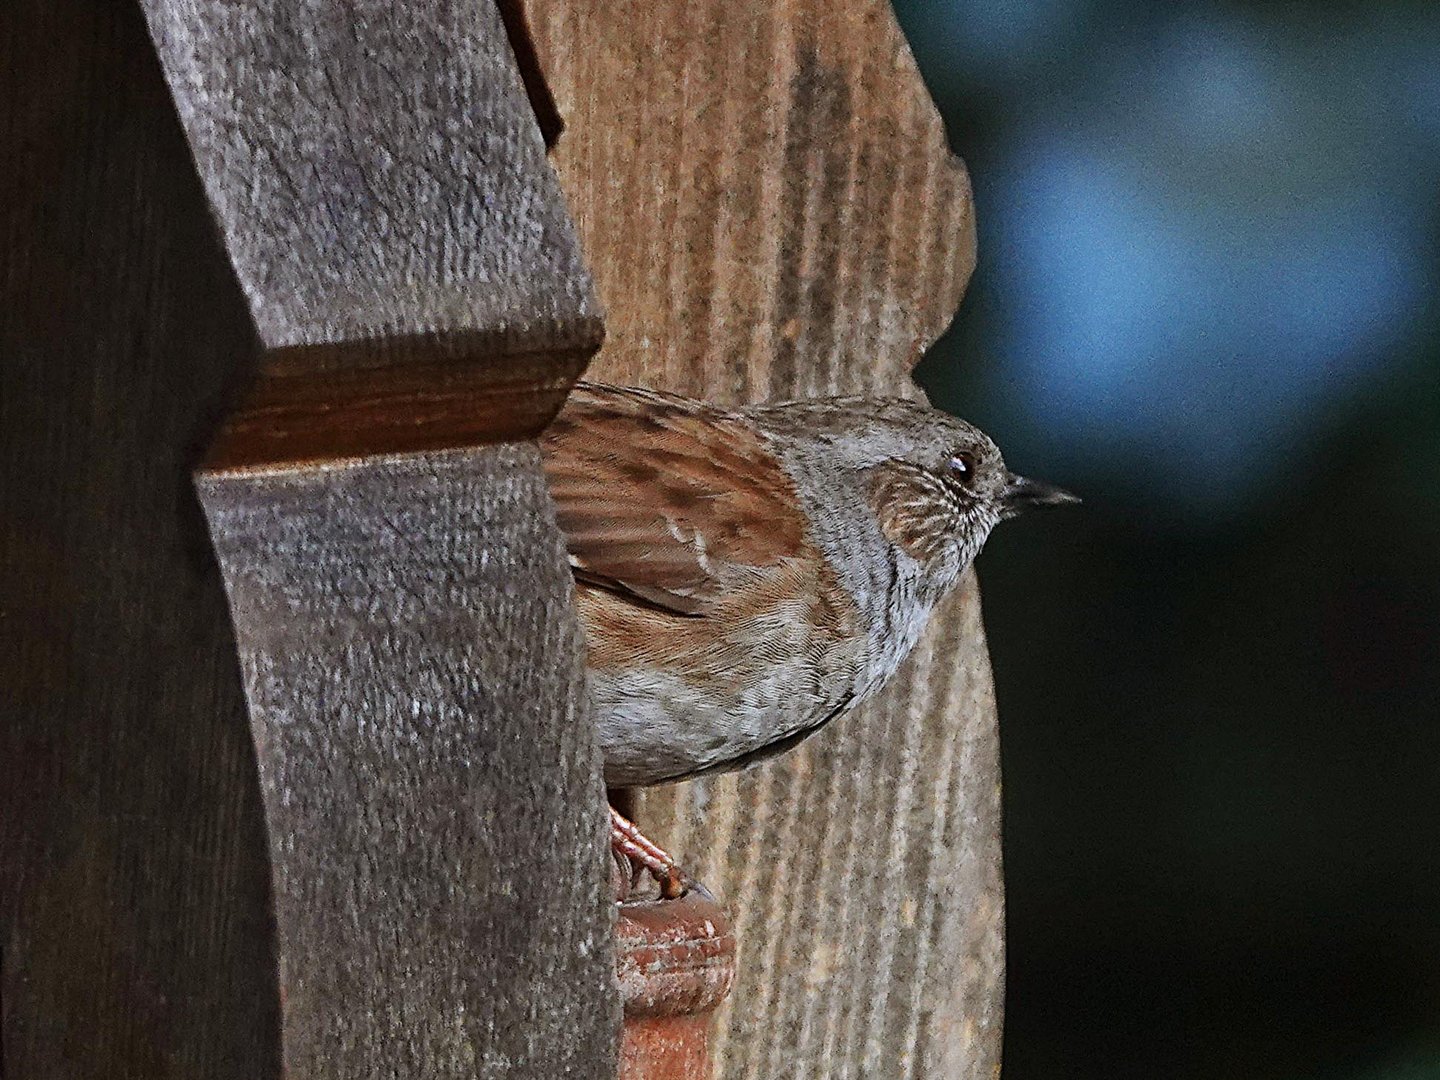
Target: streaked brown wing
{"x": 666, "y": 499}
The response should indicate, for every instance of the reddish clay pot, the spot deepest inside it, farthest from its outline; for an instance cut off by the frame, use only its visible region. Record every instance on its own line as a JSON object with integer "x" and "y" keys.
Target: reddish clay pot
{"x": 676, "y": 961}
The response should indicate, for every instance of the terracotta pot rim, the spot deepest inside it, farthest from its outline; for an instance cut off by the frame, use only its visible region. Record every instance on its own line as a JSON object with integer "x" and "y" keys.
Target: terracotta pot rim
{"x": 673, "y": 957}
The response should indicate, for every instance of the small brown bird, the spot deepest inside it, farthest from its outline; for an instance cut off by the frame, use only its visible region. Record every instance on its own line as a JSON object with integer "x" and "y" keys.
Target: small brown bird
{"x": 744, "y": 576}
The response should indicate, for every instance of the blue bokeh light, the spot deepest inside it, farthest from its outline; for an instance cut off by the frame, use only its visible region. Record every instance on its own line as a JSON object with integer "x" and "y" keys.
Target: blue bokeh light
{"x": 1196, "y": 263}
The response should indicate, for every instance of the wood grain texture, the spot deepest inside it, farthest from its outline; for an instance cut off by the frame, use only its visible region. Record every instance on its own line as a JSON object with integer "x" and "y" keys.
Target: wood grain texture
{"x": 764, "y": 191}
{"x": 136, "y": 935}
{"x": 381, "y": 184}
{"x": 411, "y": 655}
{"x": 463, "y": 394}
{"x": 770, "y": 209}
{"x": 415, "y": 679}
{"x": 376, "y": 170}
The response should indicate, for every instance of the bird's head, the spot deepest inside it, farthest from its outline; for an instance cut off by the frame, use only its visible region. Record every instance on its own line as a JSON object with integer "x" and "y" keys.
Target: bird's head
{"x": 943, "y": 485}
{"x": 936, "y": 484}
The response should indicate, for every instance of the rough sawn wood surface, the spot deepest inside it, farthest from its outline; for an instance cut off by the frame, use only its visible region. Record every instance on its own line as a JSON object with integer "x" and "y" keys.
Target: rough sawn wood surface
{"x": 411, "y": 658}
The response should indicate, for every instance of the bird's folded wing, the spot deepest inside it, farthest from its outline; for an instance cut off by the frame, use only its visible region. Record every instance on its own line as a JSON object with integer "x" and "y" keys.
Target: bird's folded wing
{"x": 667, "y": 500}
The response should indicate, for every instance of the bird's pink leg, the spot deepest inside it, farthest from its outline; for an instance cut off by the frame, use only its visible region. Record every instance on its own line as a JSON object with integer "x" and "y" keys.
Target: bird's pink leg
{"x": 629, "y": 841}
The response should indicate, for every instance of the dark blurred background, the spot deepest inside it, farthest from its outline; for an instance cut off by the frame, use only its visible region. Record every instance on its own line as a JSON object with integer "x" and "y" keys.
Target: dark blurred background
{"x": 1205, "y": 300}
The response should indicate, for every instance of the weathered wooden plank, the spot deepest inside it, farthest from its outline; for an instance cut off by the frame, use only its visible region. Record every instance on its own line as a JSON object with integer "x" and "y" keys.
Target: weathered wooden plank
{"x": 430, "y": 777}
{"x": 770, "y": 209}
{"x": 380, "y": 180}
{"x": 376, "y": 170}
{"x": 764, "y": 190}
{"x": 411, "y": 658}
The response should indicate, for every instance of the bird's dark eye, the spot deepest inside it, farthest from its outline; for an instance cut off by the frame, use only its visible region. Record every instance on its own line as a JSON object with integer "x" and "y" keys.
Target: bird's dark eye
{"x": 962, "y": 465}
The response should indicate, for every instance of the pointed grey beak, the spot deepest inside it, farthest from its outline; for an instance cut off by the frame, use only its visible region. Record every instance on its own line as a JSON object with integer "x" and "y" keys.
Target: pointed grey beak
{"x": 1021, "y": 493}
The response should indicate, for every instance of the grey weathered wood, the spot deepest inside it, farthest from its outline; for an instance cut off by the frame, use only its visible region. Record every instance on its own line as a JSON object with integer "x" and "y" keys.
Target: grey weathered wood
{"x": 416, "y": 688}
{"x": 411, "y": 658}
{"x": 377, "y": 171}
{"x": 381, "y": 184}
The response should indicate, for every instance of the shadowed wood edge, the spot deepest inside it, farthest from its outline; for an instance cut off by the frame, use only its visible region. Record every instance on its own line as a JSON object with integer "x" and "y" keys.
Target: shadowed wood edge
{"x": 311, "y": 417}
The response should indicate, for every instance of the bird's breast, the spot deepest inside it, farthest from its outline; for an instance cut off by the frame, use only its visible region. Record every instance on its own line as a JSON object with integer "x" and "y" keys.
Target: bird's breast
{"x": 676, "y": 694}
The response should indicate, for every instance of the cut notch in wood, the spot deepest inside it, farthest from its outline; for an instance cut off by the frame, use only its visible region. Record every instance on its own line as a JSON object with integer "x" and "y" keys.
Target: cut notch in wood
{"x": 317, "y": 404}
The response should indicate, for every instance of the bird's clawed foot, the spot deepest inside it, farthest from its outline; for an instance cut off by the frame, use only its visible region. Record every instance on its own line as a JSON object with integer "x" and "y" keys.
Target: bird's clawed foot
{"x": 644, "y": 856}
